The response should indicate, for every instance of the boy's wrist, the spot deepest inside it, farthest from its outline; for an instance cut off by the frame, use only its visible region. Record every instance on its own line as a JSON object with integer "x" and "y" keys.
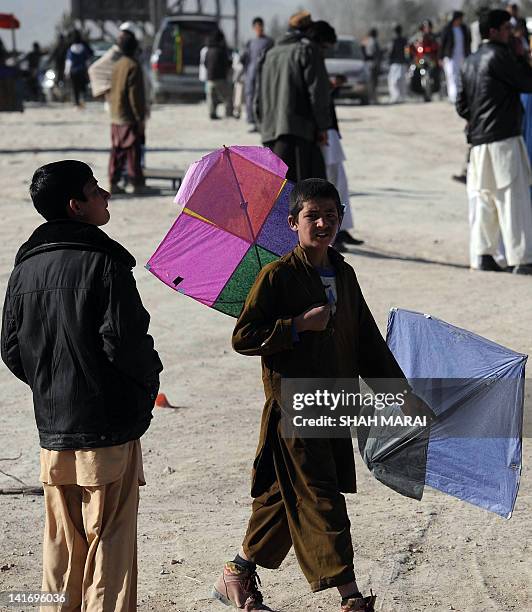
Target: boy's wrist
{"x": 298, "y": 323}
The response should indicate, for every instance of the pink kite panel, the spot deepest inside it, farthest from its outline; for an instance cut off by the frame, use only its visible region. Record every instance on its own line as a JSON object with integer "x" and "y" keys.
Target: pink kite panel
{"x": 217, "y": 199}
{"x": 259, "y": 188}
{"x": 195, "y": 174}
{"x": 263, "y": 157}
{"x": 197, "y": 258}
{"x": 216, "y": 186}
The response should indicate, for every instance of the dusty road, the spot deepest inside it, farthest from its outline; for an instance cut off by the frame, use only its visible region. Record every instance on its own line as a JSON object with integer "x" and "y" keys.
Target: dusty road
{"x": 440, "y": 554}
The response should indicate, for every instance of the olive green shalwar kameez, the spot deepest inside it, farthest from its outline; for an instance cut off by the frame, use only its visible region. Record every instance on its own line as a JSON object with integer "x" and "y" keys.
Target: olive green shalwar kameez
{"x": 297, "y": 483}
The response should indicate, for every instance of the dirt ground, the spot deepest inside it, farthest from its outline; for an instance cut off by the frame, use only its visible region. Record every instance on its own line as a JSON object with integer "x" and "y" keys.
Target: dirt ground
{"x": 439, "y": 554}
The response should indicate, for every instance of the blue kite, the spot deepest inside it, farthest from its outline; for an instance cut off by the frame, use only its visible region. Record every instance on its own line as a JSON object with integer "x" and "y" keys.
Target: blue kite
{"x": 473, "y": 451}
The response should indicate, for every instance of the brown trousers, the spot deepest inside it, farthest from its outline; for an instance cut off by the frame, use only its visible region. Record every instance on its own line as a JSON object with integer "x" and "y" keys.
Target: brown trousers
{"x": 90, "y": 544}
{"x": 126, "y": 143}
{"x": 303, "y": 508}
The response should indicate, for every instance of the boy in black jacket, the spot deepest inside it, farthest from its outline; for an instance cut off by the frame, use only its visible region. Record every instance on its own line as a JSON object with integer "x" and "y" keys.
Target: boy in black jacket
{"x": 74, "y": 329}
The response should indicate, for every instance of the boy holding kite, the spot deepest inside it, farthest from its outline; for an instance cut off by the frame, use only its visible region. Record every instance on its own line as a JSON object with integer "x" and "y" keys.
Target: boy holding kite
{"x": 306, "y": 318}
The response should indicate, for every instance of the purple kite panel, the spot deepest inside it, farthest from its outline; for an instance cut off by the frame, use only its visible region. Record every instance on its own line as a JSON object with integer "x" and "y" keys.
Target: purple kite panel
{"x": 276, "y": 235}
{"x": 197, "y": 258}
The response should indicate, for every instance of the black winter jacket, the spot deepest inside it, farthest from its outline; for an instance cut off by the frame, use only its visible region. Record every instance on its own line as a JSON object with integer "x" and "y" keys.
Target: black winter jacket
{"x": 217, "y": 62}
{"x": 74, "y": 329}
{"x": 488, "y": 96}
{"x": 447, "y": 41}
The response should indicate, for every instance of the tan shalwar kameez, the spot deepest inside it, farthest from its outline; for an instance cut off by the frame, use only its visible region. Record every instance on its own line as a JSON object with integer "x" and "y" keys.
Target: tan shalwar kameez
{"x": 90, "y": 537}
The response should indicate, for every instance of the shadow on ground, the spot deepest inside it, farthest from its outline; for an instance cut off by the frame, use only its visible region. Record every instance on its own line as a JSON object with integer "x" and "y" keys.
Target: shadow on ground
{"x": 402, "y": 194}
{"x": 396, "y": 257}
{"x": 99, "y": 150}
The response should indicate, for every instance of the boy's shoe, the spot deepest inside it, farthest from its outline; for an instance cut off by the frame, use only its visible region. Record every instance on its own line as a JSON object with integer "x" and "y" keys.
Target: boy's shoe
{"x": 359, "y": 604}
{"x": 238, "y": 588}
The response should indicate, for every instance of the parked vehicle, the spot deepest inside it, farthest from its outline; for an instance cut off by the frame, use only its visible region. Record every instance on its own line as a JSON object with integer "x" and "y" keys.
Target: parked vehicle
{"x": 346, "y": 60}
{"x": 176, "y": 56}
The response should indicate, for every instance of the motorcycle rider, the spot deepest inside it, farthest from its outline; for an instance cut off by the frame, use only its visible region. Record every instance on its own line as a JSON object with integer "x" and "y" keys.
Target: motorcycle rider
{"x": 424, "y": 52}
{"x": 425, "y": 39}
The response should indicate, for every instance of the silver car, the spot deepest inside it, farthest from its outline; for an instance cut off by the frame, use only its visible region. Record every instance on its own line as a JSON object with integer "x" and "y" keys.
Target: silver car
{"x": 346, "y": 59}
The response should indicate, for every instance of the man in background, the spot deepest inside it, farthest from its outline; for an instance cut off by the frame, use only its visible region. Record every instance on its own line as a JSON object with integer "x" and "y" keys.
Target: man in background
{"x": 218, "y": 64}
{"x": 455, "y": 47}
{"x": 255, "y": 48}
{"x": 294, "y": 101}
{"x": 372, "y": 53}
{"x": 128, "y": 116}
{"x": 498, "y": 176}
{"x": 398, "y": 66}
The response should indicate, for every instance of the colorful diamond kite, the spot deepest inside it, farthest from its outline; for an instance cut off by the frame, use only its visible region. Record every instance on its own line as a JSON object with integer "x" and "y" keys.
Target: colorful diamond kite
{"x": 233, "y": 222}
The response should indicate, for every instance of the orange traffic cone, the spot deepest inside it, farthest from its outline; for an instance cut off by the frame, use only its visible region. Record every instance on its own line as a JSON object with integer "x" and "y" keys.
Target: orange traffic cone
{"x": 162, "y": 401}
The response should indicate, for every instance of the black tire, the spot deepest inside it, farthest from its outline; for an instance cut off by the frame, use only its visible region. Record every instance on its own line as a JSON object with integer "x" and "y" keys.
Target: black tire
{"x": 427, "y": 89}
{"x": 364, "y": 101}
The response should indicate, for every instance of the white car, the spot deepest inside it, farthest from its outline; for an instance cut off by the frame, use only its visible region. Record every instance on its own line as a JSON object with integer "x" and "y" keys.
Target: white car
{"x": 346, "y": 59}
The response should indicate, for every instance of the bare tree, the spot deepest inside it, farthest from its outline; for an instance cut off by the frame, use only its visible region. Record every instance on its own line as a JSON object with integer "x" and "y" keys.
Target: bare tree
{"x": 356, "y": 17}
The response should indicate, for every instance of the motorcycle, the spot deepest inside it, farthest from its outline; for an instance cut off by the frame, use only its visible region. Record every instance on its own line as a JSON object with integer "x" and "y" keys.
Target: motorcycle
{"x": 424, "y": 72}
{"x": 52, "y": 85}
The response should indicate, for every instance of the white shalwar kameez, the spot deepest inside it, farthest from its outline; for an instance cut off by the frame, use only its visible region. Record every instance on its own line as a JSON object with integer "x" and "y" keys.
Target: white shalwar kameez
{"x": 452, "y": 65}
{"x": 500, "y": 210}
{"x": 334, "y": 157}
{"x": 397, "y": 83}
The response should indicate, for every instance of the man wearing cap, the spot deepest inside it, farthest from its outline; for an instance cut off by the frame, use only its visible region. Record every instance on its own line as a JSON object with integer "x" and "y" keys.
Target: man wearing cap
{"x": 293, "y": 101}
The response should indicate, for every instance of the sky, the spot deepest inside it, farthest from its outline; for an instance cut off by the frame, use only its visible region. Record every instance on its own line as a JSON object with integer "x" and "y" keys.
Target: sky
{"x": 39, "y": 17}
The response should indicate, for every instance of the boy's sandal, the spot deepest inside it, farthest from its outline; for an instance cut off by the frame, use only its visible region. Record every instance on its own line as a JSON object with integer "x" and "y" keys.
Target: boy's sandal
{"x": 359, "y": 604}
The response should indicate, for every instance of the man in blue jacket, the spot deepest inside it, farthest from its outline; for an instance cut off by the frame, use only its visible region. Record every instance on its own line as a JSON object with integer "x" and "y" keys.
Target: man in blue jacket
{"x": 74, "y": 329}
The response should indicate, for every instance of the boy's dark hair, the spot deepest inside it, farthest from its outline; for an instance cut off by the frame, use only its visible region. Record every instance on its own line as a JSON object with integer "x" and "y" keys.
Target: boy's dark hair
{"x": 398, "y": 29}
{"x": 313, "y": 189}
{"x": 54, "y": 185}
{"x": 128, "y": 43}
{"x": 492, "y": 19}
{"x": 257, "y": 21}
